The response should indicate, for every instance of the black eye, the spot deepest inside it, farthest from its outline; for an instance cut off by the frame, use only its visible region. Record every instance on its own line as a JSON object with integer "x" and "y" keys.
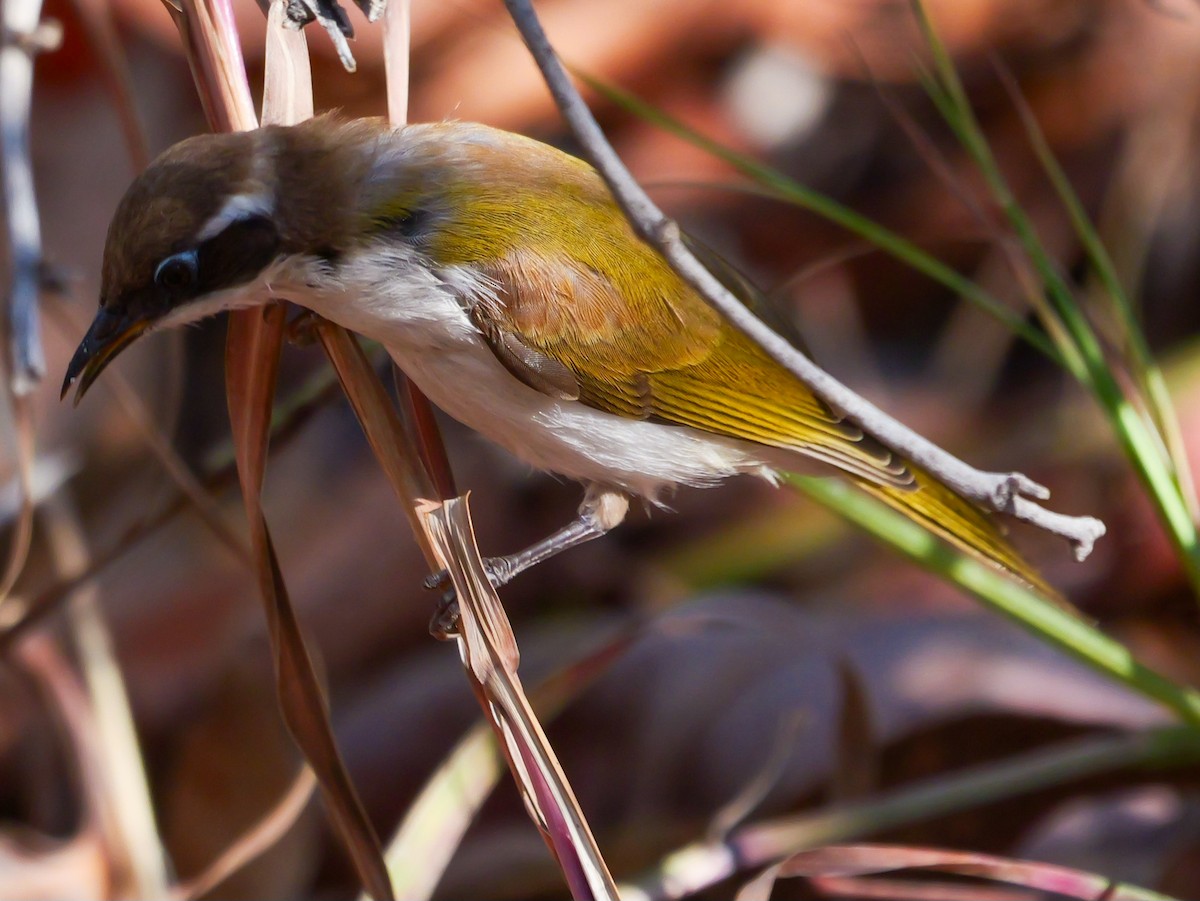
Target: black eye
{"x": 177, "y": 272}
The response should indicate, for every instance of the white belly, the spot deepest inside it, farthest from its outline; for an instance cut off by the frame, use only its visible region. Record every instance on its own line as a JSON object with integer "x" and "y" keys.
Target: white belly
{"x": 567, "y": 437}
{"x": 418, "y": 317}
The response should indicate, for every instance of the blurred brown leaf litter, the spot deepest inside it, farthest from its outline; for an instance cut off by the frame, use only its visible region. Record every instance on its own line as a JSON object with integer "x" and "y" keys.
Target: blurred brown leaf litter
{"x": 749, "y": 608}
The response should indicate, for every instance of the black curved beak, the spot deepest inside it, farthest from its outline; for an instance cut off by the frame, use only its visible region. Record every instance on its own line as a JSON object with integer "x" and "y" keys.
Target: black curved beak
{"x": 110, "y": 333}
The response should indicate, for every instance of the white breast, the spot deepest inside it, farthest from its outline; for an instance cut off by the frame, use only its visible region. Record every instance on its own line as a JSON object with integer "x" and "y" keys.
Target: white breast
{"x": 420, "y": 320}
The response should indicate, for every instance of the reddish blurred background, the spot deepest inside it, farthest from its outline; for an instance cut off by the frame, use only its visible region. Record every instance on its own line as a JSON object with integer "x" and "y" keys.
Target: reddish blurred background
{"x": 747, "y": 602}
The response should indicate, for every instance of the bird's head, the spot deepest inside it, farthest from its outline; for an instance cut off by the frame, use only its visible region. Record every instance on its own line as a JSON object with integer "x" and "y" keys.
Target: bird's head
{"x": 193, "y": 226}
{"x": 338, "y": 208}
{"x": 196, "y": 230}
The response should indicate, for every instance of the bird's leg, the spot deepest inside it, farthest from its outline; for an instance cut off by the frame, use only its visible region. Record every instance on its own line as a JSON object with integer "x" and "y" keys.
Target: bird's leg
{"x": 602, "y": 510}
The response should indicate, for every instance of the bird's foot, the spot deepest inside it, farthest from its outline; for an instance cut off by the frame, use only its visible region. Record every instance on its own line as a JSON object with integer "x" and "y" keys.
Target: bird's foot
{"x": 444, "y": 623}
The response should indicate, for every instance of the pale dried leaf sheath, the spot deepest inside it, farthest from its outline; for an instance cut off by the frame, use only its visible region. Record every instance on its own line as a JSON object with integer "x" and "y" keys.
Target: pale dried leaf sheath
{"x": 393, "y": 445}
{"x": 489, "y": 639}
{"x": 25, "y": 359}
{"x": 418, "y": 412}
{"x": 287, "y": 76}
{"x": 252, "y": 360}
{"x": 490, "y": 656}
{"x": 396, "y": 39}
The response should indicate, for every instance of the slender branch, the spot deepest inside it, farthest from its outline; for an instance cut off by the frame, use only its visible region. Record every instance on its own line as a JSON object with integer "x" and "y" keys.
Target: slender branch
{"x": 128, "y": 810}
{"x": 286, "y": 424}
{"x": 1009, "y": 492}
{"x": 255, "y": 841}
{"x": 100, "y": 29}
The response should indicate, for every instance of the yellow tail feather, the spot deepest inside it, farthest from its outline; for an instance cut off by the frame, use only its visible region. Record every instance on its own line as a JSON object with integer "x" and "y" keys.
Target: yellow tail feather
{"x": 958, "y": 521}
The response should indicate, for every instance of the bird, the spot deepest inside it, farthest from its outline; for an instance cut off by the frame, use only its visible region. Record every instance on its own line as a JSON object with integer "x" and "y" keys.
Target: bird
{"x": 505, "y": 282}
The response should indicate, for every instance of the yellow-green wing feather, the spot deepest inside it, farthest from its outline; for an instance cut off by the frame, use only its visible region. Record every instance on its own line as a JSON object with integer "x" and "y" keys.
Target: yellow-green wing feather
{"x": 678, "y": 362}
{"x": 584, "y": 309}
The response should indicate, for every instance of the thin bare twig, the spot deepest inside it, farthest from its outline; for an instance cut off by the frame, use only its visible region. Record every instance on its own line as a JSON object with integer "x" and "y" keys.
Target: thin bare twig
{"x": 96, "y": 16}
{"x": 218, "y": 478}
{"x": 128, "y": 806}
{"x": 160, "y": 446}
{"x": 1009, "y": 492}
{"x": 255, "y": 841}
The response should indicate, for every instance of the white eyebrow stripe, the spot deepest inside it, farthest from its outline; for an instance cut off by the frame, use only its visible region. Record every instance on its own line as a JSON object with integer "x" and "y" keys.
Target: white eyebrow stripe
{"x": 237, "y": 208}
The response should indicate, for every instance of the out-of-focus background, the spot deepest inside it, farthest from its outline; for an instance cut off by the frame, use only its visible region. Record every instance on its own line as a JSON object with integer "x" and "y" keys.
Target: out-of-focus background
{"x": 757, "y": 625}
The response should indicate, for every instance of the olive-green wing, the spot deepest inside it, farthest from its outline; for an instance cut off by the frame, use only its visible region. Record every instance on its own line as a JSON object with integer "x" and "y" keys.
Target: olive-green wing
{"x": 654, "y": 350}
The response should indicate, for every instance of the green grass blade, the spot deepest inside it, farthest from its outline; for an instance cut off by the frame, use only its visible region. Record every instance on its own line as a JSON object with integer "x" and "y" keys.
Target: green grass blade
{"x": 1141, "y": 443}
{"x": 701, "y": 864}
{"x": 1032, "y": 287}
{"x": 1140, "y": 360}
{"x": 1033, "y": 612}
{"x": 970, "y": 788}
{"x": 793, "y": 192}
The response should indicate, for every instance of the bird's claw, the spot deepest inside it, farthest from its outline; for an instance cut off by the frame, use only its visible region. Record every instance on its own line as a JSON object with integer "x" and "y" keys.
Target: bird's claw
{"x": 439, "y": 579}
{"x": 444, "y": 623}
{"x": 497, "y": 569}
